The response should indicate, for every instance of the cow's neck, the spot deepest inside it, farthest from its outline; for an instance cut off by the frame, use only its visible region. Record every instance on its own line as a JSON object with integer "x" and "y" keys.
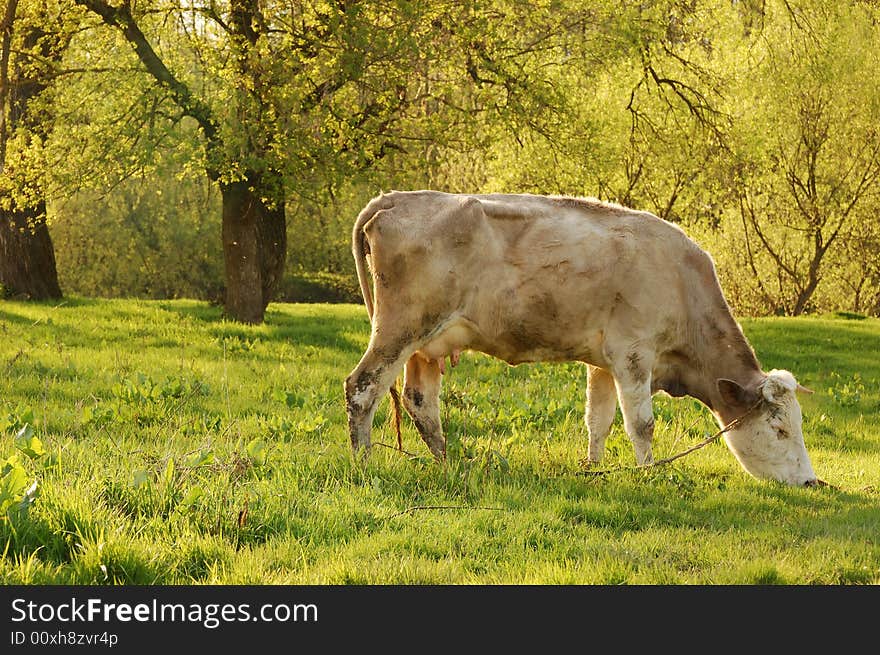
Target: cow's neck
{"x": 725, "y": 354}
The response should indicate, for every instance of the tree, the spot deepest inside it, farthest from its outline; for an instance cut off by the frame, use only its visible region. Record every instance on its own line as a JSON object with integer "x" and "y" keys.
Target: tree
{"x": 27, "y": 257}
{"x": 239, "y": 161}
{"x": 292, "y": 100}
{"x": 808, "y": 151}
{"x": 639, "y": 97}
{"x": 857, "y": 269}
{"x": 676, "y": 127}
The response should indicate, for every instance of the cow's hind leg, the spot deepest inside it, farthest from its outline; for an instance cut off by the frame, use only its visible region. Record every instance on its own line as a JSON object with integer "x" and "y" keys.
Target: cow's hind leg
{"x": 421, "y": 398}
{"x": 365, "y": 386}
{"x": 633, "y": 382}
{"x": 601, "y": 406}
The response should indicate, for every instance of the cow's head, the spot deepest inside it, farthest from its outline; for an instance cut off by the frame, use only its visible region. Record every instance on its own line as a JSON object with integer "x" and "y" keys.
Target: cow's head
{"x": 768, "y": 441}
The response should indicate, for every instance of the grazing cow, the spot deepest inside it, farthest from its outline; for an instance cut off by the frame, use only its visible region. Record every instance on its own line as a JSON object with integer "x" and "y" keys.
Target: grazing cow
{"x": 528, "y": 278}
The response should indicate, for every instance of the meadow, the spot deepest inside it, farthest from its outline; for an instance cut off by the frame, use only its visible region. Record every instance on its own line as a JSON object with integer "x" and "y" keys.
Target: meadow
{"x": 154, "y": 442}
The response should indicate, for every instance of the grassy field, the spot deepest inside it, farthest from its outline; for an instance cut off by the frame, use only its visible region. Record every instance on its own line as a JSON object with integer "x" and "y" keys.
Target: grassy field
{"x": 154, "y": 443}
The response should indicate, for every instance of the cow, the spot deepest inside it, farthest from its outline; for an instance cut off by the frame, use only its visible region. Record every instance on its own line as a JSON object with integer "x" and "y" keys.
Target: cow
{"x": 531, "y": 278}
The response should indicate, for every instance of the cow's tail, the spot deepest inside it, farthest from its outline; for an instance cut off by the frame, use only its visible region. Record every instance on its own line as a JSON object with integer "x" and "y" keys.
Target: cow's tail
{"x": 360, "y": 250}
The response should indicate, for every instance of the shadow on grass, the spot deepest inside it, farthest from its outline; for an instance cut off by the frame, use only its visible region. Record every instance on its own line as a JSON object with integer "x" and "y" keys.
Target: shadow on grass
{"x": 140, "y": 325}
{"x": 319, "y": 331}
{"x": 7, "y": 316}
{"x": 203, "y": 312}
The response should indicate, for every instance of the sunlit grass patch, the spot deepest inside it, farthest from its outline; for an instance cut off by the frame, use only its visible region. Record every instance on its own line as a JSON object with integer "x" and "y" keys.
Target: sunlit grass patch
{"x": 156, "y": 443}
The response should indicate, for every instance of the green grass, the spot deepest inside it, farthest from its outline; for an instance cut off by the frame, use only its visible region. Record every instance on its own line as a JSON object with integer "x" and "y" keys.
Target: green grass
{"x": 174, "y": 447}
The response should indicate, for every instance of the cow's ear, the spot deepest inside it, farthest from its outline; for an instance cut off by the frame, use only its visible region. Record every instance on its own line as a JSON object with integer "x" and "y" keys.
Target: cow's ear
{"x": 735, "y": 394}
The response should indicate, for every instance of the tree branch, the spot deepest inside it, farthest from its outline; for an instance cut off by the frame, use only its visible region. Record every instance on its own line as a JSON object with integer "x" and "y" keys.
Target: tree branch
{"x": 775, "y": 255}
{"x": 751, "y": 258}
{"x": 122, "y": 19}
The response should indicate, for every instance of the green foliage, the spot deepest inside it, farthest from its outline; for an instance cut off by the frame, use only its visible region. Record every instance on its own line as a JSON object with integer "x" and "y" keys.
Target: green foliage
{"x": 20, "y": 479}
{"x": 805, "y": 165}
{"x": 169, "y": 460}
{"x": 28, "y": 443}
{"x": 753, "y": 125}
{"x": 141, "y": 400}
{"x": 16, "y": 419}
{"x": 847, "y": 393}
{"x": 154, "y": 237}
{"x": 13, "y": 483}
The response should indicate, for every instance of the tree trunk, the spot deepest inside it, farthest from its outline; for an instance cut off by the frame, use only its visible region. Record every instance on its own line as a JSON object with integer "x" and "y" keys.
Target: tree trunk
{"x": 273, "y": 244}
{"x": 27, "y": 259}
{"x": 254, "y": 223}
{"x": 254, "y": 248}
{"x": 800, "y": 304}
{"x": 812, "y": 277}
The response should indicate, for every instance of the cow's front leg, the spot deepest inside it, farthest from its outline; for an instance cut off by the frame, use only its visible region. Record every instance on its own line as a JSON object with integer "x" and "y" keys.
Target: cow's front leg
{"x": 633, "y": 381}
{"x": 421, "y": 398}
{"x": 371, "y": 378}
{"x": 599, "y": 415}
{"x": 638, "y": 419}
